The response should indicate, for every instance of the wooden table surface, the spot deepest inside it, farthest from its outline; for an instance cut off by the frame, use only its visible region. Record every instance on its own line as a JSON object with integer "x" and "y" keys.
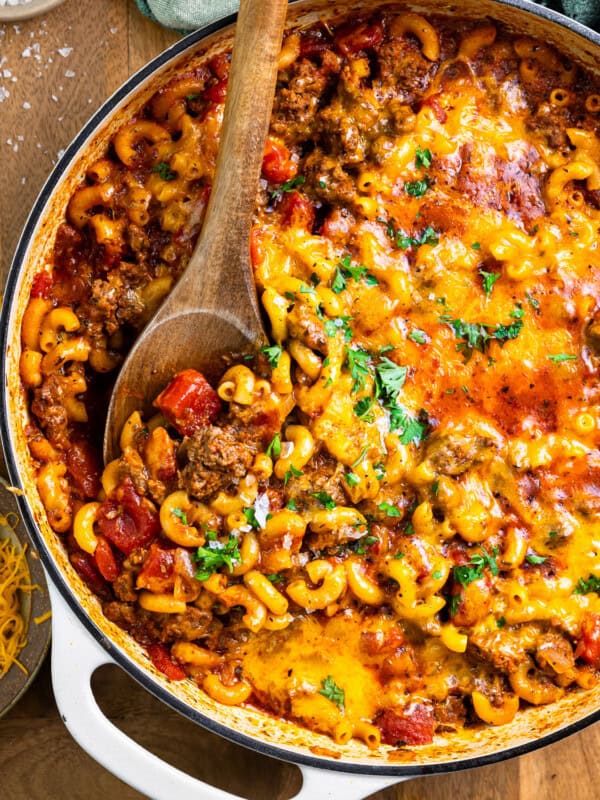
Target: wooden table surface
{"x": 57, "y": 70}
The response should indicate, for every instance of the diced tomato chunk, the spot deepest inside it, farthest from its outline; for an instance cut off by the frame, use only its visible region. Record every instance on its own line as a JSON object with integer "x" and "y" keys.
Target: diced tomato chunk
{"x": 85, "y": 467}
{"x": 277, "y": 165}
{"x": 411, "y": 725}
{"x": 353, "y": 38}
{"x": 42, "y": 283}
{"x": 105, "y": 560}
{"x": 157, "y": 573}
{"x": 128, "y": 520}
{"x": 86, "y": 568}
{"x": 588, "y": 646}
{"x": 219, "y": 65}
{"x": 189, "y": 402}
{"x": 216, "y": 93}
{"x": 161, "y": 658}
{"x": 297, "y": 211}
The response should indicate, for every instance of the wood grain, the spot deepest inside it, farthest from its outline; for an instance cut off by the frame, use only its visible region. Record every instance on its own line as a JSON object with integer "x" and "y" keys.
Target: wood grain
{"x": 40, "y": 760}
{"x": 223, "y": 322}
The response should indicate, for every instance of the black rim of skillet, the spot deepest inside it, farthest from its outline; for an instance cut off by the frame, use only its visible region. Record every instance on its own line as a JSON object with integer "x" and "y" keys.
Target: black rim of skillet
{"x": 280, "y": 752}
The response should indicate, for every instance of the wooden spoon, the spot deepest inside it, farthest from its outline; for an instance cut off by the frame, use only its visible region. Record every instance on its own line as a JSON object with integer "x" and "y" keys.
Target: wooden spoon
{"x": 213, "y": 309}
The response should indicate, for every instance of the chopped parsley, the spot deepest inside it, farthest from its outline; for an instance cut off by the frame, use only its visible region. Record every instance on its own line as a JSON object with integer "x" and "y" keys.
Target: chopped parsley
{"x": 436, "y": 574}
{"x": 476, "y": 246}
{"x": 473, "y": 571}
{"x": 325, "y": 500}
{"x": 291, "y": 472}
{"x": 275, "y": 578}
{"x": 332, "y": 692}
{"x": 357, "y": 362}
{"x": 557, "y": 358}
{"x": 274, "y": 449}
{"x": 423, "y": 158}
{"x": 338, "y": 283}
{"x": 435, "y": 487}
{"x": 332, "y": 326}
{"x": 535, "y": 559}
{"x": 489, "y": 279}
{"x": 194, "y": 96}
{"x": 411, "y": 430}
{"x": 418, "y": 336}
{"x": 403, "y": 242}
{"x": 389, "y": 509}
{"x": 479, "y": 335}
{"x": 177, "y": 512}
{"x": 500, "y": 622}
{"x": 215, "y": 555}
{"x": 428, "y": 236}
{"x": 346, "y": 271}
{"x": 360, "y": 547}
{"x": 288, "y": 186}
{"x": 585, "y": 587}
{"x": 351, "y": 479}
{"x": 363, "y": 453}
{"x": 273, "y": 354}
{"x": 455, "y": 601}
{"x": 362, "y": 409}
{"x": 416, "y": 188}
{"x": 291, "y": 504}
{"x": 164, "y": 171}
{"x": 390, "y": 378}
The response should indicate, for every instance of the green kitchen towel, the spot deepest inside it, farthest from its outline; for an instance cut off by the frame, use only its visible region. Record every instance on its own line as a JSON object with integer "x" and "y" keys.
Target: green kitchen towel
{"x": 187, "y": 15}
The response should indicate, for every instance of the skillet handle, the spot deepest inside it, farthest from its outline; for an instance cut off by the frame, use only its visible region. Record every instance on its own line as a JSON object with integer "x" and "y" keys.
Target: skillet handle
{"x": 75, "y": 658}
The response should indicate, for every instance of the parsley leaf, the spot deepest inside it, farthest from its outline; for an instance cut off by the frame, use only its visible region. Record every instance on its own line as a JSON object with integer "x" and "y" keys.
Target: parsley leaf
{"x": 250, "y": 515}
{"x": 288, "y": 186}
{"x": 325, "y": 500}
{"x": 423, "y": 158}
{"x": 411, "y": 430}
{"x": 273, "y": 354}
{"x": 177, "y": 512}
{"x": 339, "y": 281}
{"x": 479, "y": 335}
{"x": 357, "y": 362}
{"x": 291, "y": 472}
{"x": 558, "y": 357}
{"x": 585, "y": 587}
{"x": 535, "y": 304}
{"x": 215, "y": 555}
{"x": 416, "y": 188}
{"x": 500, "y": 622}
{"x": 389, "y": 509}
{"x": 476, "y": 246}
{"x": 274, "y": 577}
{"x": 390, "y": 378}
{"x": 332, "y": 692}
{"x": 473, "y": 571}
{"x": 291, "y": 504}
{"x": 489, "y": 279}
{"x": 418, "y": 336}
{"x": 164, "y": 171}
{"x": 332, "y": 326}
{"x": 274, "y": 449}
{"x": 351, "y": 479}
{"x": 362, "y": 409}
{"x": 535, "y": 559}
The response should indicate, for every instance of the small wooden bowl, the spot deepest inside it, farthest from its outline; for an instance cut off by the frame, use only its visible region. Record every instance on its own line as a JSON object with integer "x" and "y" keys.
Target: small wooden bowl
{"x": 33, "y": 605}
{"x": 27, "y": 10}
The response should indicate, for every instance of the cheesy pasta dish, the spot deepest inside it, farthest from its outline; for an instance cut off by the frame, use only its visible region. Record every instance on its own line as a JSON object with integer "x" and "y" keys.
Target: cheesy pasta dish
{"x": 383, "y": 525}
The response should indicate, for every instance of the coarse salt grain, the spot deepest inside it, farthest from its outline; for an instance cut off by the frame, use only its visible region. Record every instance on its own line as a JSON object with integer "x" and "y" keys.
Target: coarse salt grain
{"x": 26, "y": 105}
{"x": 65, "y": 52}
{"x": 4, "y": 93}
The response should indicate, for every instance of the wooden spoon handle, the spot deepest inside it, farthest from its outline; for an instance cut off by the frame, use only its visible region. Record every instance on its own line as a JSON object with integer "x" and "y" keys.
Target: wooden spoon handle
{"x": 225, "y": 233}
